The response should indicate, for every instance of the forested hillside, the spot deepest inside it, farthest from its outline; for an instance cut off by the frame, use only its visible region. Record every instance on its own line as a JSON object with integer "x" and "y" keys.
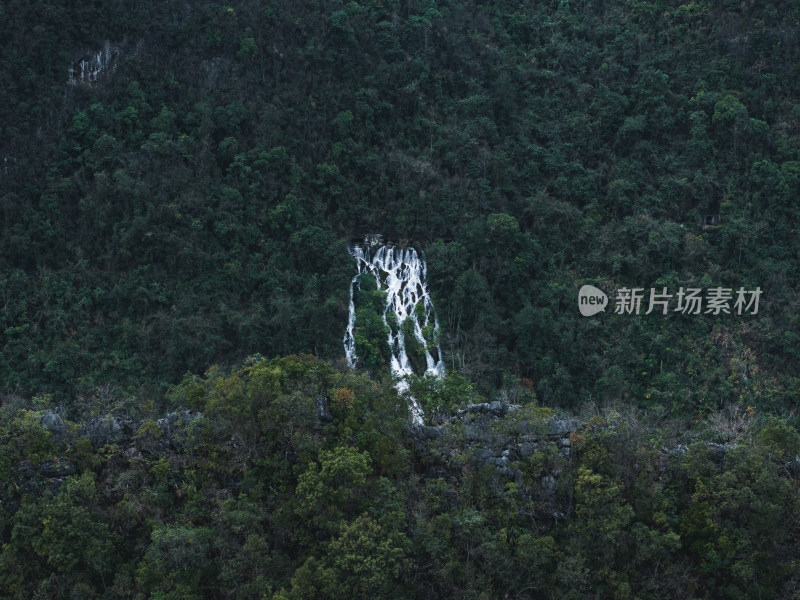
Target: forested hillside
{"x": 180, "y": 183}
{"x": 191, "y": 203}
{"x": 297, "y": 481}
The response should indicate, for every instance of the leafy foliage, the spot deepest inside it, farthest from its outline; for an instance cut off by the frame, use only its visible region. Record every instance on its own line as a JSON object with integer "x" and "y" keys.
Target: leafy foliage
{"x": 191, "y": 203}
{"x": 259, "y": 496}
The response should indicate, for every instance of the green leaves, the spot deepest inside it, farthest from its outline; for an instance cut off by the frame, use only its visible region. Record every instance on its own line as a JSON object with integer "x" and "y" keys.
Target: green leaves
{"x": 66, "y": 532}
{"x": 371, "y": 333}
{"x": 729, "y": 111}
{"x": 330, "y": 490}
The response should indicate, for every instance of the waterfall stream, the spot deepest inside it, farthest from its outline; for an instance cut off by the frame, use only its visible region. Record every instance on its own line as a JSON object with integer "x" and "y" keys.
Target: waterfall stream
{"x": 401, "y": 273}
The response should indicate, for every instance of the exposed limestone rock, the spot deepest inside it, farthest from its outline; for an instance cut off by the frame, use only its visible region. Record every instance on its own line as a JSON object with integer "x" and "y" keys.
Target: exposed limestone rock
{"x": 323, "y": 409}
{"x": 527, "y": 449}
{"x": 62, "y": 468}
{"x": 718, "y": 450}
{"x": 52, "y": 422}
{"x": 561, "y": 426}
{"x": 93, "y": 65}
{"x": 104, "y": 430}
{"x": 496, "y": 408}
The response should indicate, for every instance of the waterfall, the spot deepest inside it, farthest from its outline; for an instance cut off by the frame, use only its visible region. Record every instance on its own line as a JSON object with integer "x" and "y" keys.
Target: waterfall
{"x": 401, "y": 273}
{"x": 92, "y": 66}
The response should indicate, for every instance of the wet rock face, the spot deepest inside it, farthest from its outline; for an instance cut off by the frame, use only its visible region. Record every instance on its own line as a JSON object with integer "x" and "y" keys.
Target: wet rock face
{"x": 93, "y": 65}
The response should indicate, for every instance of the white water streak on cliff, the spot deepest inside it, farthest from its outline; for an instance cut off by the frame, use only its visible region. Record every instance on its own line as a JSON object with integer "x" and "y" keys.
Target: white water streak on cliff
{"x": 91, "y": 67}
{"x": 401, "y": 273}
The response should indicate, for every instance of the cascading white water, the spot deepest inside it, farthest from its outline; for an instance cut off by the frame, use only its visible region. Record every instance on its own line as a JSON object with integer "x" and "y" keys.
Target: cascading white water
{"x": 92, "y": 67}
{"x": 401, "y": 273}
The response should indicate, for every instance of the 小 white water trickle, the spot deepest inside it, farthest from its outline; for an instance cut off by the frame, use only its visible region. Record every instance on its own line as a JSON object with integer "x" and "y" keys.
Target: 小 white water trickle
{"x": 401, "y": 273}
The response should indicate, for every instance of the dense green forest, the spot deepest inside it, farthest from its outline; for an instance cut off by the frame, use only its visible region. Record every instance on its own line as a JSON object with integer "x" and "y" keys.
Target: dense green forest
{"x": 292, "y": 479}
{"x": 179, "y": 186}
{"x": 193, "y": 205}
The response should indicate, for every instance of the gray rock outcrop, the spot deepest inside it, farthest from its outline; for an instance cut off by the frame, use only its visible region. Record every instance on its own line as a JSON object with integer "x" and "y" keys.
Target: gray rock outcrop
{"x": 52, "y": 422}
